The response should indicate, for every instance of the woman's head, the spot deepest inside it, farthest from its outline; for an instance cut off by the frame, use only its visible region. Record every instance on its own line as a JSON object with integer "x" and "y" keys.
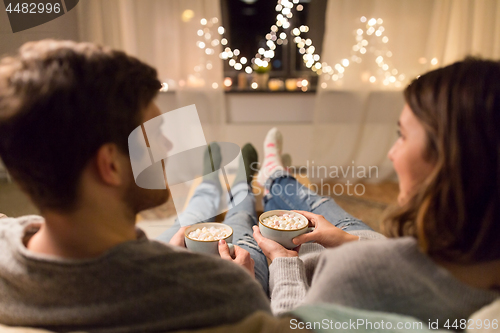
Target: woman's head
{"x": 448, "y": 162}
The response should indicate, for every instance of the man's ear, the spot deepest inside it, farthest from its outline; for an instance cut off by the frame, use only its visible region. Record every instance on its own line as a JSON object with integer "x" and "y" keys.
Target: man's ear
{"x": 108, "y": 165}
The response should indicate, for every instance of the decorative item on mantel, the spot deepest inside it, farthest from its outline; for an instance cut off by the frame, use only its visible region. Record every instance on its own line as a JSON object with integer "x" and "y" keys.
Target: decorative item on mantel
{"x": 243, "y": 79}
{"x": 275, "y": 84}
{"x": 303, "y": 84}
{"x": 228, "y": 82}
{"x": 291, "y": 84}
{"x": 261, "y": 73}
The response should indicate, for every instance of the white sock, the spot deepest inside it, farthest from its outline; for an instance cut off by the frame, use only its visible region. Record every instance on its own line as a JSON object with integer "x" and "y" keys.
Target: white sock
{"x": 272, "y": 155}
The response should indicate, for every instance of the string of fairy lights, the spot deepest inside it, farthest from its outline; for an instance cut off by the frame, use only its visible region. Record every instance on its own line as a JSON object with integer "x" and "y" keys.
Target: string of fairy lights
{"x": 369, "y": 39}
{"x": 277, "y": 36}
{"x": 211, "y": 36}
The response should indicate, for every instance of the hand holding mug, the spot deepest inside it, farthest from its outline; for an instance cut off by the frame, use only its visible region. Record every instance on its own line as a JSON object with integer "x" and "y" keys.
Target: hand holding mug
{"x": 240, "y": 257}
{"x": 204, "y": 237}
{"x": 324, "y": 232}
{"x": 272, "y": 249}
{"x": 178, "y": 238}
{"x": 282, "y": 226}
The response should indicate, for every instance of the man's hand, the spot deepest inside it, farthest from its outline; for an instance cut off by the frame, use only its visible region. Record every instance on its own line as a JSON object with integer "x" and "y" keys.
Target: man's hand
{"x": 324, "y": 233}
{"x": 271, "y": 249}
{"x": 2, "y": 216}
{"x": 241, "y": 256}
{"x": 178, "y": 238}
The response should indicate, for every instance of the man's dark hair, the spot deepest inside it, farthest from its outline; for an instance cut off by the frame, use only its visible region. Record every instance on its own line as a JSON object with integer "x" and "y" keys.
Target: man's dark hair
{"x": 59, "y": 102}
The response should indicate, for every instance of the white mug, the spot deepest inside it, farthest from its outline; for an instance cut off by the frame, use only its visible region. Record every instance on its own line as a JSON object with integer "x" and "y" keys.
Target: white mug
{"x": 283, "y": 237}
{"x": 209, "y": 247}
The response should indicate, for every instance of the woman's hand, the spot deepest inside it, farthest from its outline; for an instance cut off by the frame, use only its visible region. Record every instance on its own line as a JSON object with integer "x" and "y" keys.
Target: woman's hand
{"x": 324, "y": 233}
{"x": 178, "y": 238}
{"x": 241, "y": 256}
{"x": 272, "y": 249}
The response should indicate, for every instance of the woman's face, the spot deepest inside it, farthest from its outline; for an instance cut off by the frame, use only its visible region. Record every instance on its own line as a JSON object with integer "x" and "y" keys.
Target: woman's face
{"x": 407, "y": 155}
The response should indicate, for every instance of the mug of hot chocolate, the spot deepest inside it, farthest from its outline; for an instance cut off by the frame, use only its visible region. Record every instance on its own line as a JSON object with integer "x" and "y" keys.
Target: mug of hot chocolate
{"x": 204, "y": 237}
{"x": 282, "y": 226}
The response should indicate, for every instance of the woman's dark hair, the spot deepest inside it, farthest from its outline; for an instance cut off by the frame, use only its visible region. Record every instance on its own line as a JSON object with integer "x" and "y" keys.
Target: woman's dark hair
{"x": 59, "y": 102}
{"x": 455, "y": 213}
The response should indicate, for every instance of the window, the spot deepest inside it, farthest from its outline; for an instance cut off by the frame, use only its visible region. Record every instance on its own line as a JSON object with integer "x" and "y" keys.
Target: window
{"x": 275, "y": 33}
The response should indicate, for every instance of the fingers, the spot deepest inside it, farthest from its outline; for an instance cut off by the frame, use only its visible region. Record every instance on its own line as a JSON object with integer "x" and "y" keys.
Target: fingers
{"x": 265, "y": 244}
{"x": 178, "y": 238}
{"x": 240, "y": 252}
{"x": 270, "y": 248}
{"x": 243, "y": 258}
{"x": 181, "y": 231}
{"x": 310, "y": 216}
{"x": 304, "y": 238}
{"x": 224, "y": 250}
{"x": 261, "y": 240}
{"x": 257, "y": 235}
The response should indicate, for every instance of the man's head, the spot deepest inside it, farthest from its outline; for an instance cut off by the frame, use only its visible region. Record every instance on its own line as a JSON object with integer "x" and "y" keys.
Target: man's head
{"x": 65, "y": 107}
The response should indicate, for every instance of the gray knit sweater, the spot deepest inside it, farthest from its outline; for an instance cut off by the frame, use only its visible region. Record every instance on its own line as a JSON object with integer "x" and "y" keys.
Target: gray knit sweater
{"x": 137, "y": 286}
{"x": 389, "y": 275}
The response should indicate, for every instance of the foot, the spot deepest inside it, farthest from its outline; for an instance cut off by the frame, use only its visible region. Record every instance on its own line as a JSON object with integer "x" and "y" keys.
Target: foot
{"x": 286, "y": 159}
{"x": 212, "y": 160}
{"x": 272, "y": 155}
{"x": 247, "y": 169}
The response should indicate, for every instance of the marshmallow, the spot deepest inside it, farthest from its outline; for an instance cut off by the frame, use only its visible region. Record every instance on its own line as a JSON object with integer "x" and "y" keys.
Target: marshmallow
{"x": 287, "y": 221}
{"x": 209, "y": 234}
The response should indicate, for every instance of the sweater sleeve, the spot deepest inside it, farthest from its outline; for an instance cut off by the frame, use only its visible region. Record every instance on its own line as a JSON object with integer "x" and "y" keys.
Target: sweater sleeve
{"x": 287, "y": 283}
{"x": 367, "y": 234}
{"x": 289, "y": 278}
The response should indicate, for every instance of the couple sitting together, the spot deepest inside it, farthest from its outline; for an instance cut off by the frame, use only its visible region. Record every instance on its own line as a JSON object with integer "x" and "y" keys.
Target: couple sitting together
{"x": 66, "y": 111}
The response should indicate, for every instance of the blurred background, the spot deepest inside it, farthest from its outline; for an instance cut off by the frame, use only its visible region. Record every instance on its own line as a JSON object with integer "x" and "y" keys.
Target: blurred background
{"x": 328, "y": 73}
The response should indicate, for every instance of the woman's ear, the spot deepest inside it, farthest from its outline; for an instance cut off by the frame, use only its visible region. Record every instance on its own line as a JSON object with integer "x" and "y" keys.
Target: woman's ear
{"x": 108, "y": 165}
